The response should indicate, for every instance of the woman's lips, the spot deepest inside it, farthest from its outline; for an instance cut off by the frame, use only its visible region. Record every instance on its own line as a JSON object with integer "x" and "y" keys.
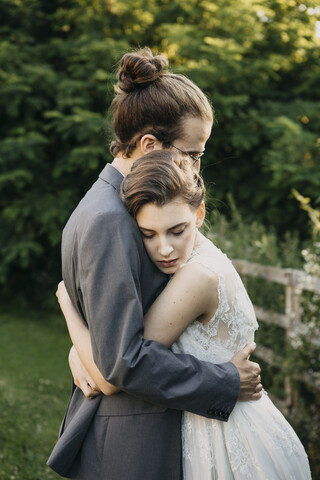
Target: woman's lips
{"x": 168, "y": 263}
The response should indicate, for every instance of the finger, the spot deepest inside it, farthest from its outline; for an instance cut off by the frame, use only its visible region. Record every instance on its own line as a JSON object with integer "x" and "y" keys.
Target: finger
{"x": 254, "y": 369}
{"x": 256, "y": 396}
{"x": 95, "y": 388}
{"x": 259, "y": 388}
{"x": 257, "y": 379}
{"x": 87, "y": 390}
{"x": 249, "y": 348}
{"x": 92, "y": 384}
{"x": 258, "y": 369}
{"x": 93, "y": 392}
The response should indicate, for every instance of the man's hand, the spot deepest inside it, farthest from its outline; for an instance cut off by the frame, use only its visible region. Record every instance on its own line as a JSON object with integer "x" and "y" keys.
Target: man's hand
{"x": 81, "y": 377}
{"x": 250, "y": 379}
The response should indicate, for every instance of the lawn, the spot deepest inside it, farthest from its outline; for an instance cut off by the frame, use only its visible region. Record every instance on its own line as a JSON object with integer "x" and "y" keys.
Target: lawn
{"x": 35, "y": 386}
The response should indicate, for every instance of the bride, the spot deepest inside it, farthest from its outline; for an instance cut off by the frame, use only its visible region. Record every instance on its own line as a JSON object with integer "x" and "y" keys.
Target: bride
{"x": 204, "y": 311}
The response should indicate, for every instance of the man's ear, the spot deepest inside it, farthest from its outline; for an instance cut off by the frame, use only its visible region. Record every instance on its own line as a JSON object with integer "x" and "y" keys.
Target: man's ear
{"x": 201, "y": 213}
{"x": 149, "y": 142}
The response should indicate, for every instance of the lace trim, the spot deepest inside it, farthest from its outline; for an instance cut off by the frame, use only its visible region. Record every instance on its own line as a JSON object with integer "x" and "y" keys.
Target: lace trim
{"x": 234, "y": 322}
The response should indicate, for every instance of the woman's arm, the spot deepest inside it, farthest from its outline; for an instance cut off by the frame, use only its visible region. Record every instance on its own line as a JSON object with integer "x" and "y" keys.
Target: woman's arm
{"x": 192, "y": 294}
{"x": 80, "y": 337}
{"x": 81, "y": 376}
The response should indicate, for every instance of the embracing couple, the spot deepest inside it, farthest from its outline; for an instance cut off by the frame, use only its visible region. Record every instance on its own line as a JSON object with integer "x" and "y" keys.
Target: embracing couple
{"x": 160, "y": 321}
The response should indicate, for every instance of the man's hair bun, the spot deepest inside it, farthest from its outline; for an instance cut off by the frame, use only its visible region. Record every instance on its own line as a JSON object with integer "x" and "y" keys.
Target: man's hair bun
{"x": 139, "y": 69}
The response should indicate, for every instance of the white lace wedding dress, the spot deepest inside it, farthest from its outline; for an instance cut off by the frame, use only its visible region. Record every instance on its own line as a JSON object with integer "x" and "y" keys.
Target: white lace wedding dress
{"x": 257, "y": 442}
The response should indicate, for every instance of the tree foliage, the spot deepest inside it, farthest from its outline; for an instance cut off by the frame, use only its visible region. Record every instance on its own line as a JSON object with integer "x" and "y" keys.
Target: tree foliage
{"x": 258, "y": 61}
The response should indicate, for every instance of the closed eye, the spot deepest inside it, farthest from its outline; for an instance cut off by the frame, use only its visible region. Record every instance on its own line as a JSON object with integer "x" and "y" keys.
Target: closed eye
{"x": 178, "y": 233}
{"x": 145, "y": 235}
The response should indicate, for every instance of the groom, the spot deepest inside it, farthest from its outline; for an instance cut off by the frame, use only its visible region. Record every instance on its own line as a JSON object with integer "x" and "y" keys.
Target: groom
{"x": 135, "y": 434}
{"x": 109, "y": 277}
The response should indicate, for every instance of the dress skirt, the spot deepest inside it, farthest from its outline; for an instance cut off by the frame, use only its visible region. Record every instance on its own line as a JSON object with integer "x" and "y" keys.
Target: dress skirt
{"x": 256, "y": 443}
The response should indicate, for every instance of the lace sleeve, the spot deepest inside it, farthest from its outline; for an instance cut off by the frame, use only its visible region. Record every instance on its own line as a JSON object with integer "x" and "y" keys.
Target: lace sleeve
{"x": 234, "y": 322}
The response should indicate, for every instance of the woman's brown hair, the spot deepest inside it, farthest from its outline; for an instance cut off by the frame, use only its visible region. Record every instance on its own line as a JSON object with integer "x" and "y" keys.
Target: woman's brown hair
{"x": 151, "y": 99}
{"x": 159, "y": 177}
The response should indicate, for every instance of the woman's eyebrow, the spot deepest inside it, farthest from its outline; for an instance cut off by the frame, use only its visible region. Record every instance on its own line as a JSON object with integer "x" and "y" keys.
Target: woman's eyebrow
{"x": 182, "y": 224}
{"x": 146, "y": 229}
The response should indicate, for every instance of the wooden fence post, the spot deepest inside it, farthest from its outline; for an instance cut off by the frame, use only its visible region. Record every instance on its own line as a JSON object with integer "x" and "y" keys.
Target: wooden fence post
{"x": 292, "y": 310}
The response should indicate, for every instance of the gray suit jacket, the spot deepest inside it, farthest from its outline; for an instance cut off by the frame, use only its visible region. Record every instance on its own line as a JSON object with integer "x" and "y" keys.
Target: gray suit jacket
{"x": 111, "y": 280}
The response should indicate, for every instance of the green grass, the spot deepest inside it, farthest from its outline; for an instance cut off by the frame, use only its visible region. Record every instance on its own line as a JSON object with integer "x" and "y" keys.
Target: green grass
{"x": 35, "y": 384}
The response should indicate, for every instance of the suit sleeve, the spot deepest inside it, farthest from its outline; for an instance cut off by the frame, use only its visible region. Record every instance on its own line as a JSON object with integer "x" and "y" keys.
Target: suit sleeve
{"x": 110, "y": 261}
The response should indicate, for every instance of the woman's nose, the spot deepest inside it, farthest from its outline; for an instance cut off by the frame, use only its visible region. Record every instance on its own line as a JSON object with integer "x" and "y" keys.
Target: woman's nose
{"x": 165, "y": 249}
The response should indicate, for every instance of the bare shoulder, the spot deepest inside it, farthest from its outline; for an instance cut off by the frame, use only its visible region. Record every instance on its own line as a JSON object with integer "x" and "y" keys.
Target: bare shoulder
{"x": 192, "y": 294}
{"x": 197, "y": 287}
{"x": 198, "y": 275}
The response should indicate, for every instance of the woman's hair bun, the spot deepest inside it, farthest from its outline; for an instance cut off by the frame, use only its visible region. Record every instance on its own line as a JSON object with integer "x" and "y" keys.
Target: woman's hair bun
{"x": 139, "y": 69}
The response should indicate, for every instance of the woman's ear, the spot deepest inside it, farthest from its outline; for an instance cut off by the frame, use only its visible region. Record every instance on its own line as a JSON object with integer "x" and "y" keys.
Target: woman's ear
{"x": 149, "y": 142}
{"x": 201, "y": 213}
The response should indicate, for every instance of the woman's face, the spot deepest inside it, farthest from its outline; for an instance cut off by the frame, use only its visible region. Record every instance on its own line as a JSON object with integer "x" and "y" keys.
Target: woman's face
{"x": 169, "y": 232}
{"x": 196, "y": 133}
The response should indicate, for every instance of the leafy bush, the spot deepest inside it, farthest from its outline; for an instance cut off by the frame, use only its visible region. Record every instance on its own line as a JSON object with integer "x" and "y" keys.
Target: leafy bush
{"x": 304, "y": 353}
{"x": 240, "y": 238}
{"x": 258, "y": 63}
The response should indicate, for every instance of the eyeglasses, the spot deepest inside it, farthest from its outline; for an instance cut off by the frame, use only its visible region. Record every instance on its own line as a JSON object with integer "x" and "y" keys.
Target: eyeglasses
{"x": 195, "y": 157}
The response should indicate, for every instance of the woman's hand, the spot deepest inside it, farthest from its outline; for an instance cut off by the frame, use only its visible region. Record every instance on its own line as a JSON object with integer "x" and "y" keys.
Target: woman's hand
{"x": 82, "y": 378}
